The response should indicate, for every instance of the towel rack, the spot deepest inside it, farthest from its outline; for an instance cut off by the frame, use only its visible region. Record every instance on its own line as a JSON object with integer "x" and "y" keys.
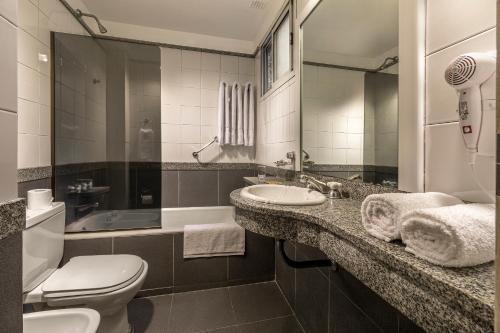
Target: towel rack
{"x": 195, "y": 153}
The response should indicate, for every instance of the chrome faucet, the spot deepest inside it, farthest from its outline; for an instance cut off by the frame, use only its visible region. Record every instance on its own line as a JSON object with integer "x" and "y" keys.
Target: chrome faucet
{"x": 291, "y": 160}
{"x": 332, "y": 190}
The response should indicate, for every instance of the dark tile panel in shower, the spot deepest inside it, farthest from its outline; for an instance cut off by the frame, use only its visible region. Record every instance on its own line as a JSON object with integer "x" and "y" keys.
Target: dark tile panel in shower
{"x": 230, "y": 180}
{"x": 258, "y": 261}
{"x": 170, "y": 189}
{"x": 24, "y": 187}
{"x": 198, "y": 188}
{"x": 156, "y": 250}
{"x": 11, "y": 286}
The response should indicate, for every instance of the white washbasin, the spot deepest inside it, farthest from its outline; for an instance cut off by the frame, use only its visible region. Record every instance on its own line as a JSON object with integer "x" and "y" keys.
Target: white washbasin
{"x": 76, "y": 320}
{"x": 283, "y": 195}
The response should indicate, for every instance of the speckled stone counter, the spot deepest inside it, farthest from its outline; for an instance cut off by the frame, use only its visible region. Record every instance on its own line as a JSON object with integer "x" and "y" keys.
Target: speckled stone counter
{"x": 12, "y": 217}
{"x": 437, "y": 299}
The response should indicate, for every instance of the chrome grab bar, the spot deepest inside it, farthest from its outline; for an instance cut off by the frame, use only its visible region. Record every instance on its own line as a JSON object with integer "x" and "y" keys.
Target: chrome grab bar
{"x": 195, "y": 153}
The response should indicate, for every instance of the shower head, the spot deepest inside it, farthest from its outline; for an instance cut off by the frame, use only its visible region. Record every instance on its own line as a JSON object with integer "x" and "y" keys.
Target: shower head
{"x": 102, "y": 29}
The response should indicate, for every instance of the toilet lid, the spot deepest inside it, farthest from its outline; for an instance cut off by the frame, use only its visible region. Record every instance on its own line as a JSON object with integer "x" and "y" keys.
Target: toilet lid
{"x": 92, "y": 275}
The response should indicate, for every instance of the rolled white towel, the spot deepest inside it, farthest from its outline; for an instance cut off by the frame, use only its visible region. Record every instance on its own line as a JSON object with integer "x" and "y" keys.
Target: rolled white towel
{"x": 381, "y": 213}
{"x": 454, "y": 236}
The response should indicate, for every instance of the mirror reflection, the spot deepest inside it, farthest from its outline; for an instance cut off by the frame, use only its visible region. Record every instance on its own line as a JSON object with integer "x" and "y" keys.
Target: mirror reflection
{"x": 350, "y": 90}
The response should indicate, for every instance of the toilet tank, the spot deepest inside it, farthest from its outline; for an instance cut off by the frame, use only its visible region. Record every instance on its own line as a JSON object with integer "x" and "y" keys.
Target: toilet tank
{"x": 43, "y": 244}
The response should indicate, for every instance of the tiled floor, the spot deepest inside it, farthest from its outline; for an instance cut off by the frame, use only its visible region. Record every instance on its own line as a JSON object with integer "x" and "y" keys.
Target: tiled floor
{"x": 249, "y": 308}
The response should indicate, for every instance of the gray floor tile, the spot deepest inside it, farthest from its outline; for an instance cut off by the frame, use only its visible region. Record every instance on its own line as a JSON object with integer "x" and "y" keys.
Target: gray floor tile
{"x": 150, "y": 315}
{"x": 201, "y": 311}
{"x": 258, "y": 302}
{"x": 231, "y": 329}
{"x": 279, "y": 325}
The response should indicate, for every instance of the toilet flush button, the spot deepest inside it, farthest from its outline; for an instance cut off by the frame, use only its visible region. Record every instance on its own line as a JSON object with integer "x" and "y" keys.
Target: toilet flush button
{"x": 467, "y": 129}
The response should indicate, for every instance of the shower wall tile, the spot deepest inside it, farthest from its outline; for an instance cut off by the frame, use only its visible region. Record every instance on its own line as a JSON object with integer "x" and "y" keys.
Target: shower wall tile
{"x": 35, "y": 21}
{"x": 190, "y": 83}
{"x": 170, "y": 189}
{"x": 198, "y": 188}
{"x": 86, "y": 247}
{"x": 230, "y": 180}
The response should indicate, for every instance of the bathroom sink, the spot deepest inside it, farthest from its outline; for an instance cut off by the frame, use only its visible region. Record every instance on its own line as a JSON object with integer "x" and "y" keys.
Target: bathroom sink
{"x": 283, "y": 195}
{"x": 61, "y": 321}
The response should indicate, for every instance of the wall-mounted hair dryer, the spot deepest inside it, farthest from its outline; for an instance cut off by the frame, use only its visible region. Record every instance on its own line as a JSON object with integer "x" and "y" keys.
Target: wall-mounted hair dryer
{"x": 473, "y": 76}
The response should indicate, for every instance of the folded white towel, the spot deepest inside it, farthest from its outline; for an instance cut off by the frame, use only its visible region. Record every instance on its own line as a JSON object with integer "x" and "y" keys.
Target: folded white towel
{"x": 381, "y": 213}
{"x": 213, "y": 240}
{"x": 453, "y": 236}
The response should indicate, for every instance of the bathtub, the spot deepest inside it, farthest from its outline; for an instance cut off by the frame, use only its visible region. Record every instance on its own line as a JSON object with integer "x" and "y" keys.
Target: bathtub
{"x": 146, "y": 221}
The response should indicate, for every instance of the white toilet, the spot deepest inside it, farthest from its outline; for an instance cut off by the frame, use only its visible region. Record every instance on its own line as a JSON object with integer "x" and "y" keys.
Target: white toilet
{"x": 105, "y": 283}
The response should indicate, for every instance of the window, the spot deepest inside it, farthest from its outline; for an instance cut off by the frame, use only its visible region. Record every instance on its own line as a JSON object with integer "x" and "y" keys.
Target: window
{"x": 276, "y": 51}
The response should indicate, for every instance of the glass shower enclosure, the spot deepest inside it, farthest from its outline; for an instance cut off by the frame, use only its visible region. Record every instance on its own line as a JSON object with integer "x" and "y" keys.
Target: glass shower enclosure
{"x": 106, "y": 133}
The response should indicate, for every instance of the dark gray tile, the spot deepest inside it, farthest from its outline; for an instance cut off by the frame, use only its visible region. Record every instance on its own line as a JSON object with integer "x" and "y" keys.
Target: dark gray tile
{"x": 156, "y": 250}
{"x": 24, "y": 187}
{"x": 258, "y": 261}
{"x": 197, "y": 273}
{"x": 170, "y": 189}
{"x": 230, "y": 329}
{"x": 201, "y": 311}
{"x": 154, "y": 292}
{"x": 305, "y": 252}
{"x": 198, "y": 188}
{"x": 279, "y": 325}
{"x": 345, "y": 317}
{"x": 405, "y": 325}
{"x": 285, "y": 275}
{"x": 381, "y": 312}
{"x": 11, "y": 306}
{"x": 312, "y": 299}
{"x": 150, "y": 315}
{"x": 258, "y": 302}
{"x": 230, "y": 180}
{"x": 86, "y": 247}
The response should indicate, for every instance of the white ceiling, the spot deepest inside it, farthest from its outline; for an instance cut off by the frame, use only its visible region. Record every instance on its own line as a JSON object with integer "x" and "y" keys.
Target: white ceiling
{"x": 222, "y": 18}
{"x": 361, "y": 28}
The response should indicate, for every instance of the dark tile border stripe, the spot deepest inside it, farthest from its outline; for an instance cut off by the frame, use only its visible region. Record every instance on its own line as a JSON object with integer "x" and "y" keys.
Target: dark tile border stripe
{"x": 29, "y": 174}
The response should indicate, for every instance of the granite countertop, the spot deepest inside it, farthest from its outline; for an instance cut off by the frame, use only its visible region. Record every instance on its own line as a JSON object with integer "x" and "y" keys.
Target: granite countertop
{"x": 471, "y": 289}
{"x": 12, "y": 217}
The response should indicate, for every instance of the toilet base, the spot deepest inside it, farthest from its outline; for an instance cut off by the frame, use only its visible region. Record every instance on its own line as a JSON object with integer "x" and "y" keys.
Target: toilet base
{"x": 115, "y": 323}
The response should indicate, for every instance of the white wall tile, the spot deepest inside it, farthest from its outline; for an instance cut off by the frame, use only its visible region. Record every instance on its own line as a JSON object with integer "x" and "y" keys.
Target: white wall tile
{"x": 8, "y": 9}
{"x": 28, "y": 17}
{"x": 8, "y": 70}
{"x": 446, "y": 166}
{"x": 190, "y": 134}
{"x": 209, "y": 116}
{"x": 43, "y": 28}
{"x": 27, "y": 49}
{"x": 191, "y": 78}
{"x": 29, "y": 151}
{"x": 190, "y": 97}
{"x": 246, "y": 66}
{"x": 191, "y": 59}
{"x": 210, "y": 80}
{"x": 28, "y": 117}
{"x": 44, "y": 120}
{"x": 449, "y": 21}
{"x": 229, "y": 64}
{"x": 8, "y": 151}
{"x": 45, "y": 151}
{"x": 210, "y": 62}
{"x": 209, "y": 98}
{"x": 28, "y": 83}
{"x": 171, "y": 58}
{"x": 191, "y": 115}
{"x": 442, "y": 101}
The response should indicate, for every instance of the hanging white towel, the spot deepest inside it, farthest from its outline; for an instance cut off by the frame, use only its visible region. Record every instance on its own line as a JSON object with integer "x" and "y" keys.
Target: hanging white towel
{"x": 249, "y": 127}
{"x": 146, "y": 144}
{"x": 212, "y": 240}
{"x": 240, "y": 117}
{"x": 227, "y": 117}
{"x": 381, "y": 213}
{"x": 452, "y": 236}
{"x": 236, "y": 107}
{"x": 221, "y": 112}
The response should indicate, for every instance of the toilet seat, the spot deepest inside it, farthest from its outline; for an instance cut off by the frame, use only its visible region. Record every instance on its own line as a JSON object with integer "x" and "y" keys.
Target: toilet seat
{"x": 91, "y": 275}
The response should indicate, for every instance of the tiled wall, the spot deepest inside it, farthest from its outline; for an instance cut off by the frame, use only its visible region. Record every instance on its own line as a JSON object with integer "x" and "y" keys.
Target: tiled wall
{"x": 333, "y": 115}
{"x": 36, "y": 20}
{"x": 8, "y": 103}
{"x": 170, "y": 272}
{"x": 190, "y": 84}
{"x": 327, "y": 301}
{"x": 446, "y": 167}
{"x": 278, "y": 122}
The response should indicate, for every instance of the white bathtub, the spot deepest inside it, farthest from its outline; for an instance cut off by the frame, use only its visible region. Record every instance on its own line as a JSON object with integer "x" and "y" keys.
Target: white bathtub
{"x": 146, "y": 221}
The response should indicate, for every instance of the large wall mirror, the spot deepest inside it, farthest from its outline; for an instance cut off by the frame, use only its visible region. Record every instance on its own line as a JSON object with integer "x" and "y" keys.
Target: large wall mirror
{"x": 349, "y": 95}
